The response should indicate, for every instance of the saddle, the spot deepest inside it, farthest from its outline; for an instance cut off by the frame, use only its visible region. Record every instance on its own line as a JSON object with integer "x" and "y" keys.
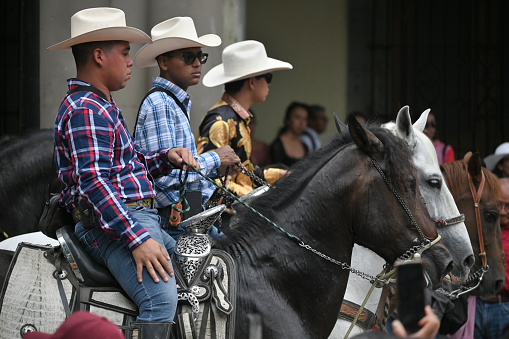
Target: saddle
{"x": 206, "y": 281}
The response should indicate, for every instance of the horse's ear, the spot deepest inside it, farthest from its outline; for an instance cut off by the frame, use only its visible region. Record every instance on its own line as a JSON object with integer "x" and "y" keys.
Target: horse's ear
{"x": 474, "y": 168}
{"x": 340, "y": 125}
{"x": 363, "y": 137}
{"x": 467, "y": 156}
{"x": 404, "y": 127}
{"x": 421, "y": 122}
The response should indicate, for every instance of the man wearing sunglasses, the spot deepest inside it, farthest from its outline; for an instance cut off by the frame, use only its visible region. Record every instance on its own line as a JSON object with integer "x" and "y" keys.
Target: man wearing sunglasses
{"x": 164, "y": 113}
{"x": 246, "y": 73}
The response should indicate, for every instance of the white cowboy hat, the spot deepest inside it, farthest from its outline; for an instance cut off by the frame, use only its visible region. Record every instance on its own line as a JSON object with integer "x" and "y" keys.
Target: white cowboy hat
{"x": 492, "y": 160}
{"x": 170, "y": 35}
{"x": 243, "y": 60}
{"x": 100, "y": 24}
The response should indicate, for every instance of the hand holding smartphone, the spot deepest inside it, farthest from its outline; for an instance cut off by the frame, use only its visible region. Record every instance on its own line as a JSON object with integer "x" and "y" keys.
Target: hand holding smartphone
{"x": 410, "y": 287}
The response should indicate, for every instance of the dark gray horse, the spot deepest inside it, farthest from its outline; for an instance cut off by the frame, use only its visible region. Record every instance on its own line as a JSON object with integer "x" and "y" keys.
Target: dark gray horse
{"x": 26, "y": 169}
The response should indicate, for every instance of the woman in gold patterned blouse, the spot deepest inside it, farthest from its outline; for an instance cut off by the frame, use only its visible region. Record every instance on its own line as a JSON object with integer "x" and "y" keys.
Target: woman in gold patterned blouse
{"x": 245, "y": 73}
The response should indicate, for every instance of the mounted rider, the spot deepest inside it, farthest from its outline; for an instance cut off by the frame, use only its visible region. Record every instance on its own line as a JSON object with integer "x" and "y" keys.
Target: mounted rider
{"x": 246, "y": 75}
{"x": 164, "y": 118}
{"x": 102, "y": 169}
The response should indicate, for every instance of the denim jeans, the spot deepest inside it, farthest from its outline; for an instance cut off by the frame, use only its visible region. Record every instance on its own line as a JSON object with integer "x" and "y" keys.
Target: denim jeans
{"x": 155, "y": 301}
{"x": 490, "y": 319}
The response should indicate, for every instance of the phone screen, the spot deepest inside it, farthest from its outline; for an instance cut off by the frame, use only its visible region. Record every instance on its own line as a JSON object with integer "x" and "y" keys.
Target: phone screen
{"x": 410, "y": 285}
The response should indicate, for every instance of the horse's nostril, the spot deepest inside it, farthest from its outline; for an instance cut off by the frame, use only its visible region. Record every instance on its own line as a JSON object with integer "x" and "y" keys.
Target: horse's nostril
{"x": 469, "y": 261}
{"x": 499, "y": 284}
{"x": 449, "y": 267}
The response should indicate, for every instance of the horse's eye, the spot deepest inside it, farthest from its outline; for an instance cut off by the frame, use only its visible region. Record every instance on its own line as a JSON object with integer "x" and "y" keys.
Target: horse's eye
{"x": 491, "y": 216}
{"x": 435, "y": 183}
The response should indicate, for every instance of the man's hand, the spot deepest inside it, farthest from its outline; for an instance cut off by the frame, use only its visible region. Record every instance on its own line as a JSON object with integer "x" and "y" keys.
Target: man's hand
{"x": 228, "y": 157}
{"x": 178, "y": 155}
{"x": 152, "y": 255}
{"x": 430, "y": 325}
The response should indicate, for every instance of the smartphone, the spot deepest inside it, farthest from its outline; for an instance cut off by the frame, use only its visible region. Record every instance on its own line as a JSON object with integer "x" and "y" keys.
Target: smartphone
{"x": 410, "y": 289}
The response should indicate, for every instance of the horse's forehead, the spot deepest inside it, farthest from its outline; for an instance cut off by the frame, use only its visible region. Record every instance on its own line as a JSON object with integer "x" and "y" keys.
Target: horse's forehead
{"x": 425, "y": 145}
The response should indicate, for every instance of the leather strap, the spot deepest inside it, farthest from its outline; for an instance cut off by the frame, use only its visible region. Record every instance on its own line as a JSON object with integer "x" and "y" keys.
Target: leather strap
{"x": 168, "y": 92}
{"x": 476, "y": 195}
{"x": 366, "y": 320}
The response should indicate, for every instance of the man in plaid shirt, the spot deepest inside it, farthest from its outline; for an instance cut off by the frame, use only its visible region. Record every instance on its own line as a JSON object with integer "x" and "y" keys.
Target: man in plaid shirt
{"x": 98, "y": 162}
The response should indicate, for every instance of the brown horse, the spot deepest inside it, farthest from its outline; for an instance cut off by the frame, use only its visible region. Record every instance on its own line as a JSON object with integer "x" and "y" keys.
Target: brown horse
{"x": 456, "y": 175}
{"x": 484, "y": 229}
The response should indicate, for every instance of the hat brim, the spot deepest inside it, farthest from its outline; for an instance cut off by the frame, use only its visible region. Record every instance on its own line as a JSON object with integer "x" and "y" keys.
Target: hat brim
{"x": 146, "y": 56}
{"x": 216, "y": 76}
{"x": 37, "y": 335}
{"x": 492, "y": 160}
{"x": 129, "y": 34}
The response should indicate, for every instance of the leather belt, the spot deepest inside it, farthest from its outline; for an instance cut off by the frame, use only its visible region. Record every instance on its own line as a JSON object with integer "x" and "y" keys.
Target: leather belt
{"x": 498, "y": 299}
{"x": 147, "y": 203}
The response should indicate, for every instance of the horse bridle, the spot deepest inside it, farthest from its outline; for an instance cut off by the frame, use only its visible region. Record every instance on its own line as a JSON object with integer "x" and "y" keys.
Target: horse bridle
{"x": 479, "y": 274}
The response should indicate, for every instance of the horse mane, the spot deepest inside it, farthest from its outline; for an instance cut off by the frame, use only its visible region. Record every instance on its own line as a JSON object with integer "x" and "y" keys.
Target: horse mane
{"x": 456, "y": 175}
{"x": 26, "y": 169}
{"x": 397, "y": 165}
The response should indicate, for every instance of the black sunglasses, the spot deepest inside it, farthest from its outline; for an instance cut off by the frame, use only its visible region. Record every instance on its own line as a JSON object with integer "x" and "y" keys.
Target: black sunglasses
{"x": 267, "y": 76}
{"x": 190, "y": 57}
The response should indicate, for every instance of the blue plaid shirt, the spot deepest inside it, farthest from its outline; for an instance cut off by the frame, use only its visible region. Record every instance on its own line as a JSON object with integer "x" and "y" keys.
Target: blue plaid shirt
{"x": 97, "y": 159}
{"x": 161, "y": 123}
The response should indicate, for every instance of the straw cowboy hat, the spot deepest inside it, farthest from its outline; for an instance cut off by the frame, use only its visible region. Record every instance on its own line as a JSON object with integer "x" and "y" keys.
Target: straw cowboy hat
{"x": 170, "y": 35}
{"x": 492, "y": 160}
{"x": 100, "y": 24}
{"x": 243, "y": 60}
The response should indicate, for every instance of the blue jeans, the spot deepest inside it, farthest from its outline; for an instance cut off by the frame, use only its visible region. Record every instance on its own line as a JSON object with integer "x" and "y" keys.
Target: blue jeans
{"x": 490, "y": 319}
{"x": 155, "y": 301}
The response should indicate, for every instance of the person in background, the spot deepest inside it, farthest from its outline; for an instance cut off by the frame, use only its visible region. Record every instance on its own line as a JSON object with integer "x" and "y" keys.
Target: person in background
{"x": 491, "y": 316}
{"x": 287, "y": 148}
{"x": 317, "y": 124}
{"x": 246, "y": 73}
{"x": 260, "y": 153}
{"x": 163, "y": 118}
{"x": 498, "y": 163}
{"x": 105, "y": 173}
{"x": 445, "y": 153}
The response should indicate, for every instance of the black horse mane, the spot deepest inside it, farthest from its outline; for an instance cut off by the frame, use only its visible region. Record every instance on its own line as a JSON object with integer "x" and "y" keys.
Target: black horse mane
{"x": 397, "y": 165}
{"x": 25, "y": 172}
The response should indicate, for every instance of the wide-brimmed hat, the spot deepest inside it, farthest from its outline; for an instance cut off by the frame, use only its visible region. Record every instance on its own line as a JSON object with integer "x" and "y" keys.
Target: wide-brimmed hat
{"x": 100, "y": 24}
{"x": 170, "y": 35}
{"x": 81, "y": 325}
{"x": 492, "y": 160}
{"x": 243, "y": 60}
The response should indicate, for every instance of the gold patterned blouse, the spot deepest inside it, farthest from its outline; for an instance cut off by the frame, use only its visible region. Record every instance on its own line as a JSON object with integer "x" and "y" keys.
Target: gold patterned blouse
{"x": 227, "y": 123}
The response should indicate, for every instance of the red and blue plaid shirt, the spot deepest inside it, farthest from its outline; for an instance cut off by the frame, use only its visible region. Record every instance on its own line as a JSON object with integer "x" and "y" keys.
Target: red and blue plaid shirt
{"x": 98, "y": 160}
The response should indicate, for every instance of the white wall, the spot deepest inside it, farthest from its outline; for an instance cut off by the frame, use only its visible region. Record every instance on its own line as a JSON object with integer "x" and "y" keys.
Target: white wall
{"x": 312, "y": 36}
